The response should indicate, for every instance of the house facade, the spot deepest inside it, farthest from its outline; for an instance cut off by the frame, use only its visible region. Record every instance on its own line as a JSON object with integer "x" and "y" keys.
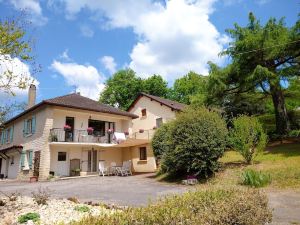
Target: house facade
{"x": 152, "y": 111}
{"x": 69, "y": 135}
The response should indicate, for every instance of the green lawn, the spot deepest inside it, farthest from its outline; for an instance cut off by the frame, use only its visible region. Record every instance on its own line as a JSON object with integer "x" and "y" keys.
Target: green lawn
{"x": 282, "y": 162}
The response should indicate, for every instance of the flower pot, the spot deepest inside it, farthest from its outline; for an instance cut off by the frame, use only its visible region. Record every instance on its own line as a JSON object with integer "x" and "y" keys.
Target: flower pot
{"x": 141, "y": 130}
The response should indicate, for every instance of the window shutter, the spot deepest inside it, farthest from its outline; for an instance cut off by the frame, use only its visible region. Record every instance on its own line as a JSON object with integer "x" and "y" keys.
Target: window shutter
{"x": 4, "y": 136}
{"x": 22, "y": 159}
{"x": 33, "y": 124}
{"x": 25, "y": 128}
{"x": 30, "y": 154}
{"x": 11, "y": 134}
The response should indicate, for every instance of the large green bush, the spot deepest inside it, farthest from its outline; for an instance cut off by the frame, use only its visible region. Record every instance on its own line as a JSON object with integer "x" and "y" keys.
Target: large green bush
{"x": 214, "y": 206}
{"x": 161, "y": 140}
{"x": 247, "y": 137}
{"x": 196, "y": 139}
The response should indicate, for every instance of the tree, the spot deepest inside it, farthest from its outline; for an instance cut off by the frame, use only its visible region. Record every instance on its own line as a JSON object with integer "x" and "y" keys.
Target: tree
{"x": 156, "y": 85}
{"x": 262, "y": 58}
{"x": 121, "y": 89}
{"x": 14, "y": 48}
{"x": 190, "y": 88}
{"x": 247, "y": 137}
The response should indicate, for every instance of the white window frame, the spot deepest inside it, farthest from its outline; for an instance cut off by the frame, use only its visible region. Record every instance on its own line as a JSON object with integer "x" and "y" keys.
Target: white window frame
{"x": 28, "y": 127}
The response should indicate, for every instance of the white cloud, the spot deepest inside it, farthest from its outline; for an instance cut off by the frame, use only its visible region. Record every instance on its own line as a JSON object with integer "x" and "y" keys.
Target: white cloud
{"x": 173, "y": 38}
{"x": 65, "y": 55}
{"x": 109, "y": 63}
{"x": 33, "y": 7}
{"x": 86, "y": 31}
{"x": 20, "y": 71}
{"x": 86, "y": 78}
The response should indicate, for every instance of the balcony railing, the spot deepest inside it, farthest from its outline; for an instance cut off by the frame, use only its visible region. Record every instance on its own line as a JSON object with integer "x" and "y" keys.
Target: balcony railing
{"x": 61, "y": 135}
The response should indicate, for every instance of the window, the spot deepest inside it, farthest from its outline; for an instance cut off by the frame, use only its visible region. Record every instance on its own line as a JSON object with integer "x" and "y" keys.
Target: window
{"x": 1, "y": 138}
{"x": 144, "y": 112}
{"x": 62, "y": 156}
{"x": 143, "y": 153}
{"x": 159, "y": 122}
{"x": 98, "y": 126}
{"x": 29, "y": 126}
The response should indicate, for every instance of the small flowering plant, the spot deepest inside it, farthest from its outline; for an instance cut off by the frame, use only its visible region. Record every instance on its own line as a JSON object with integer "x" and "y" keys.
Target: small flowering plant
{"x": 90, "y": 130}
{"x": 141, "y": 130}
{"x": 67, "y": 127}
{"x": 126, "y": 133}
{"x": 110, "y": 131}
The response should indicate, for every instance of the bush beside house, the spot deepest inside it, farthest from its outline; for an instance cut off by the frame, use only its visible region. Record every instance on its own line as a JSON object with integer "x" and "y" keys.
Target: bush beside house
{"x": 192, "y": 143}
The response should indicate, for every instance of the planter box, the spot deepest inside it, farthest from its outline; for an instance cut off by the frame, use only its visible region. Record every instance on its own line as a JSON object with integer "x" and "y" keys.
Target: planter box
{"x": 33, "y": 179}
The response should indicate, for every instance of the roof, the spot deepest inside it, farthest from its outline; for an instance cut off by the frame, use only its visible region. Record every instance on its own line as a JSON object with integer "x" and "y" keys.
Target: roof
{"x": 76, "y": 101}
{"x": 169, "y": 103}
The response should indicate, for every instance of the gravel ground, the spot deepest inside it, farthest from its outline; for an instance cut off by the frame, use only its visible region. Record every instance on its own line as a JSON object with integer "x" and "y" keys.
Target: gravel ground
{"x": 55, "y": 211}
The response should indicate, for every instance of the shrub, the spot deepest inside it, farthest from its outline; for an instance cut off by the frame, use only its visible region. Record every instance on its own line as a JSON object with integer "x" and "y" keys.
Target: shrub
{"x": 197, "y": 140}
{"x": 12, "y": 196}
{"x": 29, "y": 216}
{"x": 213, "y": 206}
{"x": 41, "y": 196}
{"x": 161, "y": 140}
{"x": 82, "y": 208}
{"x": 255, "y": 179}
{"x": 247, "y": 137}
{"x": 294, "y": 133}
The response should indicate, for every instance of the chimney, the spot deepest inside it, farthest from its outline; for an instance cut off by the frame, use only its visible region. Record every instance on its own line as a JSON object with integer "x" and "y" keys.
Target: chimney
{"x": 31, "y": 96}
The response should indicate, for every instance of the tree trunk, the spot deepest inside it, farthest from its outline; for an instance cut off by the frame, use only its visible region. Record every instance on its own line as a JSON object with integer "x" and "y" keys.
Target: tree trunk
{"x": 282, "y": 120}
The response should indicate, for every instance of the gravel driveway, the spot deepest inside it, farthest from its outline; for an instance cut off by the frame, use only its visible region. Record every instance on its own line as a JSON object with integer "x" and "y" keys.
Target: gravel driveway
{"x": 134, "y": 190}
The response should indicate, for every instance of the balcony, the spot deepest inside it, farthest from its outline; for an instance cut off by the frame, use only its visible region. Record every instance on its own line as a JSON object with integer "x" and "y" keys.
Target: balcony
{"x": 82, "y": 136}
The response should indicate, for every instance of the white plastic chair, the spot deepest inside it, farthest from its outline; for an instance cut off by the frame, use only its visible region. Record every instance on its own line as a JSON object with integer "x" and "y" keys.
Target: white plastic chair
{"x": 102, "y": 169}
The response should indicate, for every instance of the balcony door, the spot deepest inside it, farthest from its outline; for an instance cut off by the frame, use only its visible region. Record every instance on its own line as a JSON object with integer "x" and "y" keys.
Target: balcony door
{"x": 69, "y": 134}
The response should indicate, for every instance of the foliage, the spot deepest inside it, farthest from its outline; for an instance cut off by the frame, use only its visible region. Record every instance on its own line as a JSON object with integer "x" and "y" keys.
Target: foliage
{"x": 213, "y": 206}
{"x": 29, "y": 216}
{"x": 12, "y": 196}
{"x": 155, "y": 85}
{"x": 247, "y": 137}
{"x": 280, "y": 161}
{"x": 14, "y": 45}
{"x": 262, "y": 57}
{"x": 161, "y": 140}
{"x": 197, "y": 140}
{"x": 254, "y": 178}
{"x": 73, "y": 199}
{"x": 190, "y": 88}
{"x": 294, "y": 133}
{"x": 121, "y": 89}
{"x": 82, "y": 208}
{"x": 41, "y": 196}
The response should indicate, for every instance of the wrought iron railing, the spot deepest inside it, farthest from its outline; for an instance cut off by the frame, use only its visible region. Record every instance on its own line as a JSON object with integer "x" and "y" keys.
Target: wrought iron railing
{"x": 146, "y": 134}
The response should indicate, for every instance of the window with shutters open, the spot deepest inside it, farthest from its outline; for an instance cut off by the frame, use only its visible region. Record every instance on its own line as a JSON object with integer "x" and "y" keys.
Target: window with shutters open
{"x": 29, "y": 126}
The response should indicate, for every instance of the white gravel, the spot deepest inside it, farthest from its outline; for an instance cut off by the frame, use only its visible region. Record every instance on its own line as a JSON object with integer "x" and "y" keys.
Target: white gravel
{"x": 56, "y": 211}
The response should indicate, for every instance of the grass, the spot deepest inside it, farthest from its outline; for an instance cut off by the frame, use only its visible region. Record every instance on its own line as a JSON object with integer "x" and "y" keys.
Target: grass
{"x": 281, "y": 162}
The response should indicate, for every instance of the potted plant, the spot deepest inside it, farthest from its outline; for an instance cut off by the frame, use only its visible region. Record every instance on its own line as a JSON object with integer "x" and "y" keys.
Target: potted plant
{"x": 67, "y": 128}
{"x": 53, "y": 138}
{"x": 90, "y": 130}
{"x": 110, "y": 131}
{"x": 141, "y": 130}
{"x": 126, "y": 133}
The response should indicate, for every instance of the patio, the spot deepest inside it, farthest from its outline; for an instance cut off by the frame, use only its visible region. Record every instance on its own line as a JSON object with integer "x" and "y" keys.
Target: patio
{"x": 124, "y": 191}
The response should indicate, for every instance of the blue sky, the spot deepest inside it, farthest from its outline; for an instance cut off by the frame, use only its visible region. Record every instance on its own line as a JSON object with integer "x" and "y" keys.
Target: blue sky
{"x": 81, "y": 43}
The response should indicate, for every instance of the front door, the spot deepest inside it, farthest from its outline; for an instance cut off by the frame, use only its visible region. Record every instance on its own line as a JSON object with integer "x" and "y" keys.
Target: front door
{"x": 62, "y": 164}
{"x": 69, "y": 134}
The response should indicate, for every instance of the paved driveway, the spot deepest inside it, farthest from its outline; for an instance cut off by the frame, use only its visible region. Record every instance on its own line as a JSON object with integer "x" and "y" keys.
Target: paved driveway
{"x": 133, "y": 190}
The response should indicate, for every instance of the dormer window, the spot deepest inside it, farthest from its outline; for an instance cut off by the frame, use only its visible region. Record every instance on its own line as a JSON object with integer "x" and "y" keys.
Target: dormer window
{"x": 144, "y": 112}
